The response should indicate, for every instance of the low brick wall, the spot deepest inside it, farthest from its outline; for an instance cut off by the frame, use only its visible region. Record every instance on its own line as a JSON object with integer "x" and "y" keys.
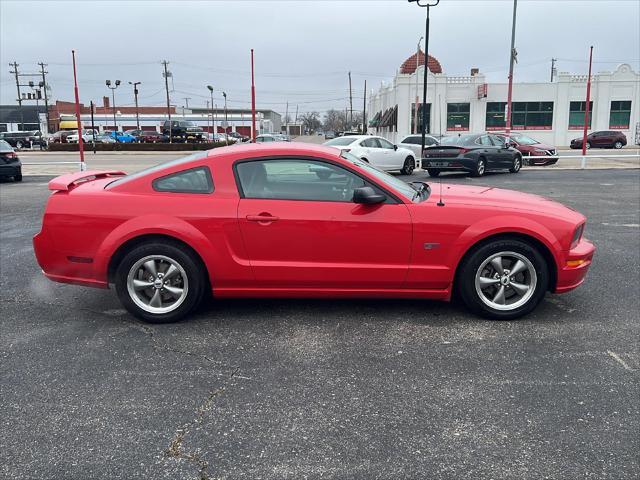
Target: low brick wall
{"x": 135, "y": 147}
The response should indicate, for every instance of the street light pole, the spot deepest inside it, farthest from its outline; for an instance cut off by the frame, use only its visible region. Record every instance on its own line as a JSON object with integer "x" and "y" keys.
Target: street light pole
{"x": 415, "y": 115}
{"x": 226, "y": 123}
{"x": 113, "y": 97}
{"x": 135, "y": 94}
{"x": 428, "y": 5}
{"x": 512, "y": 59}
{"x": 213, "y": 122}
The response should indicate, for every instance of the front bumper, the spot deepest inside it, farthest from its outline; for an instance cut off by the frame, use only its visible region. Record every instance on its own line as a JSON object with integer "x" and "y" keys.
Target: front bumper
{"x": 572, "y": 272}
{"x": 10, "y": 170}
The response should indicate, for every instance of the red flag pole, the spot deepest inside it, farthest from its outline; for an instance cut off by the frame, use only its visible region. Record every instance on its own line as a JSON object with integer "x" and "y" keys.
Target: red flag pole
{"x": 83, "y": 166}
{"x": 253, "y": 102}
{"x": 586, "y": 107}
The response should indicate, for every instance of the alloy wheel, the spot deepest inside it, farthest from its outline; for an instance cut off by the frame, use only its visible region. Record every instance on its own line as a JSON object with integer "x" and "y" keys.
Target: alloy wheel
{"x": 506, "y": 281}
{"x": 157, "y": 284}
{"x": 480, "y": 167}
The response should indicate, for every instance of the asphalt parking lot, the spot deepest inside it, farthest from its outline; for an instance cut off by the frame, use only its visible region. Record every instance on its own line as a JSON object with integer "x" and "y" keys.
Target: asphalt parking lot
{"x": 327, "y": 389}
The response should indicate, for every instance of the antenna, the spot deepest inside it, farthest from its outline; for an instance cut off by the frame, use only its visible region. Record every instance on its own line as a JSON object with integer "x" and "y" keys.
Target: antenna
{"x": 440, "y": 202}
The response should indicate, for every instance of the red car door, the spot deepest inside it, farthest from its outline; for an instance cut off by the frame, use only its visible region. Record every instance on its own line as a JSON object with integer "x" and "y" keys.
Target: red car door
{"x": 302, "y": 230}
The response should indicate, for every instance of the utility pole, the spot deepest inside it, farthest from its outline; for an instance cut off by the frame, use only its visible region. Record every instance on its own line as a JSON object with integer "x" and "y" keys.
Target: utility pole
{"x": 93, "y": 126}
{"x": 46, "y": 98}
{"x": 213, "y": 122}
{"x": 350, "y": 102}
{"x": 553, "y": 68}
{"x": 166, "y": 87}
{"x": 186, "y": 105}
{"x": 113, "y": 107}
{"x": 512, "y": 59}
{"x": 426, "y": 70}
{"x": 15, "y": 71}
{"x": 226, "y": 122}
{"x": 586, "y": 110}
{"x": 364, "y": 110}
{"x": 286, "y": 118}
{"x": 415, "y": 113}
{"x": 83, "y": 166}
{"x": 135, "y": 94}
{"x": 208, "y": 124}
{"x": 253, "y": 102}
{"x": 296, "y": 119}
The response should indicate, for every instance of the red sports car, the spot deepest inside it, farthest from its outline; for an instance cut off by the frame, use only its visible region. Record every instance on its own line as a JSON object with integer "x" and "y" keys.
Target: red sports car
{"x": 296, "y": 220}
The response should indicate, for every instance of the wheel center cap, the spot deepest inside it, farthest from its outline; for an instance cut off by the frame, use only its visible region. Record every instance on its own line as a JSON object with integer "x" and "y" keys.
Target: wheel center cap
{"x": 158, "y": 284}
{"x": 504, "y": 280}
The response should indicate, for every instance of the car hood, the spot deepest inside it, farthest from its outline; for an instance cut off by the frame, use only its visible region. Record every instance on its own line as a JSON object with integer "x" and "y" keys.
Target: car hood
{"x": 542, "y": 146}
{"x": 501, "y": 199}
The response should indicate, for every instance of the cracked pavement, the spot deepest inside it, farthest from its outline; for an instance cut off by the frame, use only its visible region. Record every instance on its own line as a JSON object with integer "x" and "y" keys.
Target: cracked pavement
{"x": 272, "y": 389}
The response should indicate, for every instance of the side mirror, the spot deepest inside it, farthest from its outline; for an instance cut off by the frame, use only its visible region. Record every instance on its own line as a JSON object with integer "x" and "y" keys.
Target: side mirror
{"x": 395, "y": 147}
{"x": 367, "y": 196}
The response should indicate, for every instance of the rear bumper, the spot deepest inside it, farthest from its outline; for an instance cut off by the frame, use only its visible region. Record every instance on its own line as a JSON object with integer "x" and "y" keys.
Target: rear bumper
{"x": 455, "y": 163}
{"x": 59, "y": 267}
{"x": 576, "y": 265}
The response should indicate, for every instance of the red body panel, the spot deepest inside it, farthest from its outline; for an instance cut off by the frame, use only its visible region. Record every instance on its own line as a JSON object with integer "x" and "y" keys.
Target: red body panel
{"x": 305, "y": 248}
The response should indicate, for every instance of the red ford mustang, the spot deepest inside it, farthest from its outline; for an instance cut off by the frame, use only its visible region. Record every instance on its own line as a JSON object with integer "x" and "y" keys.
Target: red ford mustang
{"x": 296, "y": 220}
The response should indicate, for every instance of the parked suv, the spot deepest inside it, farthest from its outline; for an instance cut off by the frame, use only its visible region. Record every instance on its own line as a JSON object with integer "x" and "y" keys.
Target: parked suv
{"x": 21, "y": 140}
{"x": 182, "y": 129}
{"x": 603, "y": 139}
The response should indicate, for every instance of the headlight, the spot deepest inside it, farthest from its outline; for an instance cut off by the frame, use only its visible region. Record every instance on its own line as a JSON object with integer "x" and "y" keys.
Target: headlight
{"x": 577, "y": 235}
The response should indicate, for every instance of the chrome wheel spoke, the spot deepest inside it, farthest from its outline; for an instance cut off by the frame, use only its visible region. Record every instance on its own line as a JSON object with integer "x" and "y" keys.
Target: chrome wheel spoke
{"x": 141, "y": 284}
{"x": 499, "y": 297}
{"x": 487, "y": 282}
{"x": 171, "y": 271}
{"x": 175, "y": 291}
{"x": 496, "y": 263}
{"x": 150, "y": 266}
{"x": 156, "y": 300}
{"x": 519, "y": 288}
{"x": 517, "y": 268}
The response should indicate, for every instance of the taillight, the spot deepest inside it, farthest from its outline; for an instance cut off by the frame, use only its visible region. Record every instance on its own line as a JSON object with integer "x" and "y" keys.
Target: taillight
{"x": 12, "y": 155}
{"x": 463, "y": 150}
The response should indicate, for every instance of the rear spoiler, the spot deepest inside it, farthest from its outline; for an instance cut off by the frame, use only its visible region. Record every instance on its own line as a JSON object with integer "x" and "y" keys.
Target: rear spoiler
{"x": 65, "y": 182}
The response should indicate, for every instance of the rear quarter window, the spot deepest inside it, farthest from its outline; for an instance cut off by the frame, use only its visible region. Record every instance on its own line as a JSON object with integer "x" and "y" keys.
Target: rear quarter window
{"x": 194, "y": 180}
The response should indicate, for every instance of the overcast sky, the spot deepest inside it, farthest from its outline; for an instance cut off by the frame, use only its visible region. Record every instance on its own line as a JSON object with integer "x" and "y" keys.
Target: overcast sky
{"x": 303, "y": 49}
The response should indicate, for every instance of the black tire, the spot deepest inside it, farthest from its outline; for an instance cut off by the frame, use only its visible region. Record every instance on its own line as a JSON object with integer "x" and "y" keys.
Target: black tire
{"x": 433, "y": 172}
{"x": 19, "y": 145}
{"x": 466, "y": 278}
{"x": 17, "y": 178}
{"x": 195, "y": 273}
{"x": 618, "y": 145}
{"x": 481, "y": 167}
{"x": 588, "y": 145}
{"x": 517, "y": 164}
{"x": 409, "y": 166}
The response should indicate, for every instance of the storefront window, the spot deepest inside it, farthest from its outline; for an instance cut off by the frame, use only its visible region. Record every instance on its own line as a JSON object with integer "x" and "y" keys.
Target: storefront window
{"x": 576, "y": 115}
{"x": 495, "y": 119}
{"x": 532, "y": 116}
{"x": 620, "y": 114}
{"x": 458, "y": 117}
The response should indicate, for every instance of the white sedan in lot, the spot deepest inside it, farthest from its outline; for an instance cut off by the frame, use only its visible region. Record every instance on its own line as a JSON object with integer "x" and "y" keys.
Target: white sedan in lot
{"x": 378, "y": 151}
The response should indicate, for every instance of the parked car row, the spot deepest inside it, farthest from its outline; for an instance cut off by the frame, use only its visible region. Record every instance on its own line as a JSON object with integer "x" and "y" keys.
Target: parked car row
{"x": 26, "y": 139}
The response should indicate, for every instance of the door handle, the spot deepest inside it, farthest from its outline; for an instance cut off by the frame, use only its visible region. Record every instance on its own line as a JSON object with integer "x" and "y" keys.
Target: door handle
{"x": 263, "y": 218}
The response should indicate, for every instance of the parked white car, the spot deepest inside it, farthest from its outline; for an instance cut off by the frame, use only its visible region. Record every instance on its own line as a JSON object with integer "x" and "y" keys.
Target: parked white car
{"x": 378, "y": 151}
{"x": 87, "y": 136}
{"x": 414, "y": 143}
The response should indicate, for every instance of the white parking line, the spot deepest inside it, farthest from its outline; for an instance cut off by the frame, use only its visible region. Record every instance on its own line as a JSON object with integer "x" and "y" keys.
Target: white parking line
{"x": 629, "y": 225}
{"x": 617, "y": 358}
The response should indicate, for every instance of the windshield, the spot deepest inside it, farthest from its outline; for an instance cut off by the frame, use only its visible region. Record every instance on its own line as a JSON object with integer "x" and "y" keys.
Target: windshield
{"x": 524, "y": 140}
{"x": 416, "y": 194}
{"x": 157, "y": 168}
{"x": 341, "y": 141}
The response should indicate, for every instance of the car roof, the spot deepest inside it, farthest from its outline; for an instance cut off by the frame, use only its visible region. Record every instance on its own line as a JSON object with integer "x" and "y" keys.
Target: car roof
{"x": 276, "y": 148}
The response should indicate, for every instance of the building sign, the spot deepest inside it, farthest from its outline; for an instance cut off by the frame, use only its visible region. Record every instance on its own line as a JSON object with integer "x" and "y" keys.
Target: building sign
{"x": 482, "y": 91}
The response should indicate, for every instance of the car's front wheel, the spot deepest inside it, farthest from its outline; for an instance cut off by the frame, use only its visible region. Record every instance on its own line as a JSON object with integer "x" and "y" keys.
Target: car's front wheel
{"x": 516, "y": 165}
{"x": 433, "y": 172}
{"x": 18, "y": 177}
{"x": 409, "y": 166}
{"x": 618, "y": 145}
{"x": 503, "y": 280}
{"x": 160, "y": 282}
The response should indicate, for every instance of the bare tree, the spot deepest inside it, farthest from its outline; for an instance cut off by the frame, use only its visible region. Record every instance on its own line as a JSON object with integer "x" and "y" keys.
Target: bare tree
{"x": 310, "y": 121}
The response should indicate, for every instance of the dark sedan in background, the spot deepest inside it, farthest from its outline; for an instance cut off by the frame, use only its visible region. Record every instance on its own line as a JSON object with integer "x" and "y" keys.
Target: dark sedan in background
{"x": 530, "y": 147}
{"x": 10, "y": 165}
{"x": 603, "y": 139}
{"x": 473, "y": 153}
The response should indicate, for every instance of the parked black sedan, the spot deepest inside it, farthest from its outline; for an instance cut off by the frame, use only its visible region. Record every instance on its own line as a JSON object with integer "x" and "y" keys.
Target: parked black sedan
{"x": 10, "y": 165}
{"x": 474, "y": 153}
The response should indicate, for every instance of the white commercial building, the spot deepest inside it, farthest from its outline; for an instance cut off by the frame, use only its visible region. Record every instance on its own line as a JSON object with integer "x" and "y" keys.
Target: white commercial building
{"x": 551, "y": 112}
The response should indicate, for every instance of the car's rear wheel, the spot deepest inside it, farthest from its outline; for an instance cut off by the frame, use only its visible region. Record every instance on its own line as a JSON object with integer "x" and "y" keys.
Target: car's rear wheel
{"x": 18, "y": 178}
{"x": 160, "y": 282}
{"x": 409, "y": 166}
{"x": 588, "y": 145}
{"x": 517, "y": 164}
{"x": 503, "y": 280}
{"x": 618, "y": 144}
{"x": 433, "y": 172}
{"x": 480, "y": 168}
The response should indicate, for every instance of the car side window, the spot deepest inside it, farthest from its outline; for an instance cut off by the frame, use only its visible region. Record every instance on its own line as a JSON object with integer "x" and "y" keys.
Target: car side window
{"x": 484, "y": 140}
{"x": 194, "y": 180}
{"x": 296, "y": 179}
{"x": 498, "y": 141}
{"x": 368, "y": 143}
{"x": 385, "y": 143}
